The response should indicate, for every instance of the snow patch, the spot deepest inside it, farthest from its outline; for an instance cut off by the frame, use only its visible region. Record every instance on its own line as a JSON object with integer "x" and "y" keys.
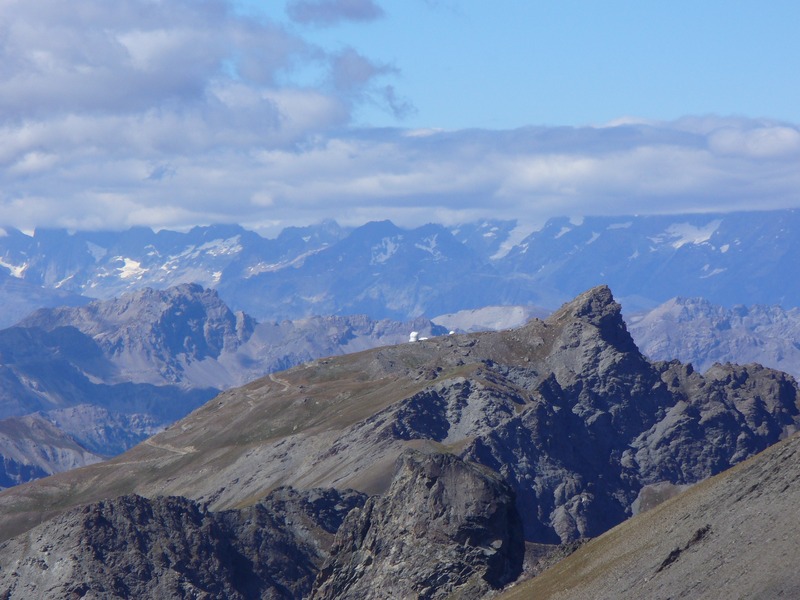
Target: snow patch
{"x": 563, "y": 231}
{"x": 515, "y": 236}
{"x": 712, "y": 273}
{"x": 680, "y": 234}
{"x": 385, "y": 250}
{"x": 63, "y": 282}
{"x": 222, "y": 247}
{"x": 593, "y": 239}
{"x": 625, "y": 225}
{"x": 17, "y": 271}
{"x": 131, "y": 268}
{"x": 429, "y": 245}
{"x": 724, "y": 248}
{"x": 295, "y": 262}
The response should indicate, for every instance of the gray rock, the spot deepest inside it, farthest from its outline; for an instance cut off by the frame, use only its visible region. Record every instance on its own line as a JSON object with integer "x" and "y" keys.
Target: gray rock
{"x": 444, "y": 526}
{"x": 566, "y": 412}
{"x": 171, "y": 547}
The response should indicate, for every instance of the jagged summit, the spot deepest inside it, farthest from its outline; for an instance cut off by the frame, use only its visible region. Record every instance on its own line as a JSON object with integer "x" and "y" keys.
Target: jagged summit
{"x": 598, "y": 307}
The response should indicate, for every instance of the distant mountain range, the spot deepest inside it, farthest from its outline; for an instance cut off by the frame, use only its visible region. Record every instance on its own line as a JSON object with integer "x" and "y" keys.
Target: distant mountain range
{"x": 482, "y": 454}
{"x": 383, "y": 271}
{"x": 697, "y": 331}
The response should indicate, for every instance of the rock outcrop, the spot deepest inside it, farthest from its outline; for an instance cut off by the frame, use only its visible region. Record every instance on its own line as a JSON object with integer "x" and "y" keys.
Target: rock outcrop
{"x": 443, "y": 526}
{"x": 171, "y": 547}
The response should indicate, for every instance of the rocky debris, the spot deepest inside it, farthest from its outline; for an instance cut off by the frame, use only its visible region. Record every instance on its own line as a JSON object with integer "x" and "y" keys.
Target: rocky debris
{"x": 171, "y": 547}
{"x": 444, "y": 526}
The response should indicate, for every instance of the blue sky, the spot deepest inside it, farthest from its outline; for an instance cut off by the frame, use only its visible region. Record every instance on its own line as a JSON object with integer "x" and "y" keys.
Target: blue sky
{"x": 177, "y": 113}
{"x": 512, "y": 63}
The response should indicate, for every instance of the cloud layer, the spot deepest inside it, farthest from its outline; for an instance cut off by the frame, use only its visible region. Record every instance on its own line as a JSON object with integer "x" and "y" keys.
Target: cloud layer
{"x": 170, "y": 114}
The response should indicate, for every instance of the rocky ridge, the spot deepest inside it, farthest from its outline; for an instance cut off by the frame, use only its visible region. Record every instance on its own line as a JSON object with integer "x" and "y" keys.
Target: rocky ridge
{"x": 463, "y": 535}
{"x": 443, "y": 525}
{"x": 566, "y": 412}
{"x": 171, "y": 547}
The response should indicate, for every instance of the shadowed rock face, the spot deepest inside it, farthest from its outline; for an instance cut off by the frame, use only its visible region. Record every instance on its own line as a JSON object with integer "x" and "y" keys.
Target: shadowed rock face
{"x": 444, "y": 525}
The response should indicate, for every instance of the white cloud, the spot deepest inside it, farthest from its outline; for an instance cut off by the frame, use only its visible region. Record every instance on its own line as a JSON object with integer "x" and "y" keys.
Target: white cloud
{"x": 757, "y": 142}
{"x": 171, "y": 114}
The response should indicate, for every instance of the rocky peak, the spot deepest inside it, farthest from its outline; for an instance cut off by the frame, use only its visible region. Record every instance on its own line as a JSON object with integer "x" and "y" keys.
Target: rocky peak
{"x": 444, "y": 526}
{"x": 597, "y": 307}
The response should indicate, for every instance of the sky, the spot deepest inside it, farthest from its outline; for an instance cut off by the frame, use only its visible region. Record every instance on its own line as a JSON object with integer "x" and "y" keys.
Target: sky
{"x": 271, "y": 113}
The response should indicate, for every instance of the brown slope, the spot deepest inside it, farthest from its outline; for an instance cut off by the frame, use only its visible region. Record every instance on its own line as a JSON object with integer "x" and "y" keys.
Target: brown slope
{"x": 735, "y": 535}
